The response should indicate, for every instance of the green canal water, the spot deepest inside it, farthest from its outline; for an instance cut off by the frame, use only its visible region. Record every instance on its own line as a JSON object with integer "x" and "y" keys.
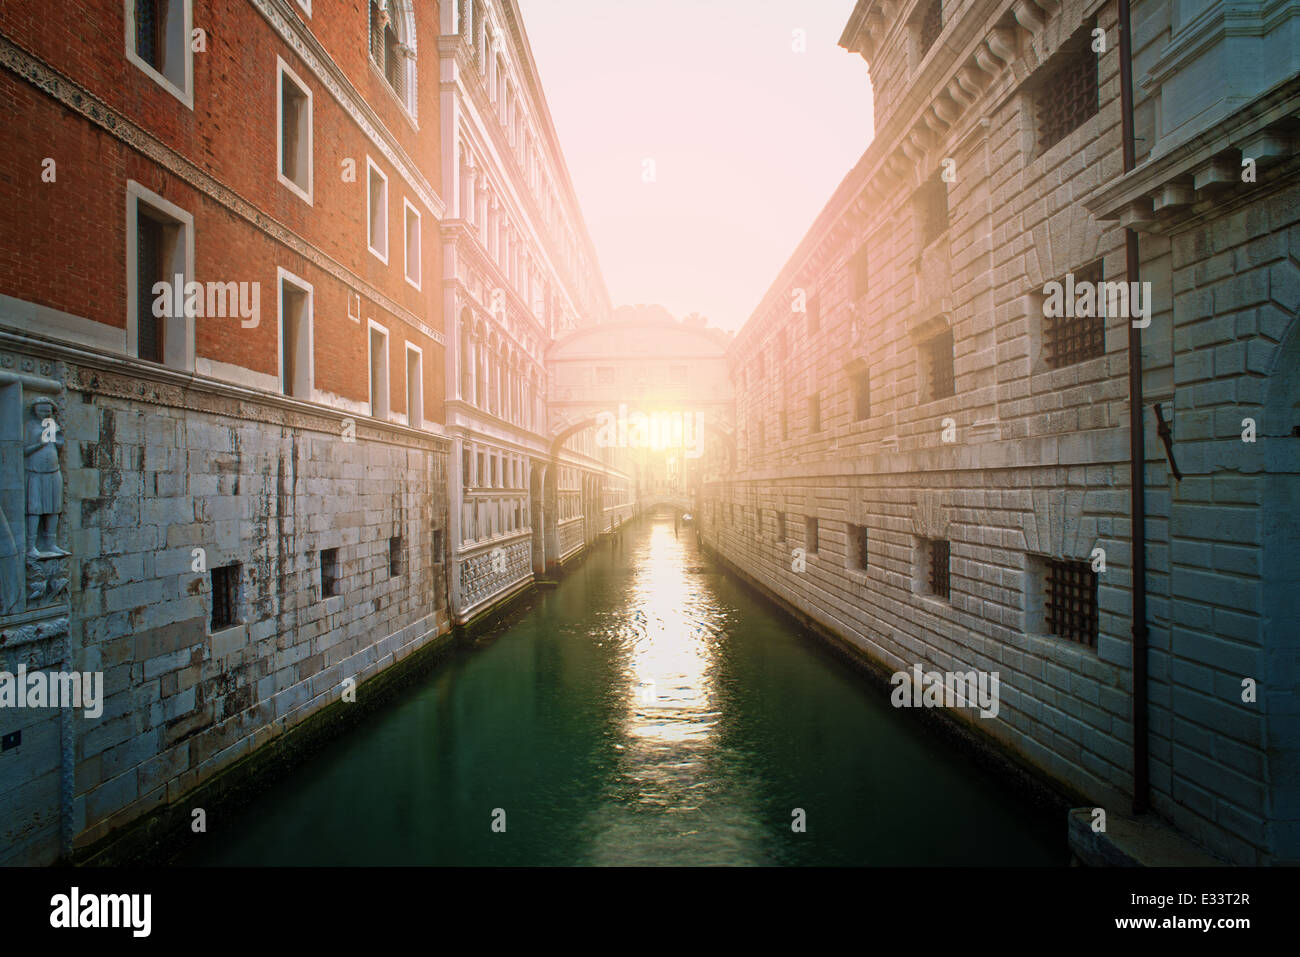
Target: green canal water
{"x": 647, "y": 711}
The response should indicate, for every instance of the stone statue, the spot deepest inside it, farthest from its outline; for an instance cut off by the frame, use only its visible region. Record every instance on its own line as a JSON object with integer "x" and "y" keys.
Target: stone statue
{"x": 41, "y": 444}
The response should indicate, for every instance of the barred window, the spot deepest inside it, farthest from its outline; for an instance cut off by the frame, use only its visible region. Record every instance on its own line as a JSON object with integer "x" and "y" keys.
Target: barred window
{"x": 939, "y": 366}
{"x": 396, "y": 556}
{"x": 861, "y": 384}
{"x": 1070, "y": 339}
{"x": 329, "y": 572}
{"x": 939, "y": 557}
{"x": 1070, "y": 601}
{"x": 1067, "y": 89}
{"x": 225, "y": 596}
{"x": 858, "y": 268}
{"x": 932, "y": 209}
{"x": 858, "y": 547}
{"x": 931, "y": 24}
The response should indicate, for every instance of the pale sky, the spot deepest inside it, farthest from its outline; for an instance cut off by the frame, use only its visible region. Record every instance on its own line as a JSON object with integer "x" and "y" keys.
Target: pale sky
{"x": 748, "y": 138}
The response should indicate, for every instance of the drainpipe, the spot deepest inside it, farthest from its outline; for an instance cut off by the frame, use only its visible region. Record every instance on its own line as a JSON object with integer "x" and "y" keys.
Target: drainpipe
{"x": 1137, "y": 446}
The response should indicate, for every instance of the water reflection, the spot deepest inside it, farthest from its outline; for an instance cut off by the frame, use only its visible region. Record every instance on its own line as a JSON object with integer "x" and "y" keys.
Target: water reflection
{"x": 672, "y": 784}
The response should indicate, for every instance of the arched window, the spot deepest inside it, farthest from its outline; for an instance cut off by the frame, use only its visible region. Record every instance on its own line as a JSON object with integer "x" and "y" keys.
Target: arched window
{"x": 392, "y": 48}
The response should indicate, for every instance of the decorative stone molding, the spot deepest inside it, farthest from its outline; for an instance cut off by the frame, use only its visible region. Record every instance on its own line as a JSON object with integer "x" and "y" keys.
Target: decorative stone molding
{"x": 1065, "y": 241}
{"x": 1056, "y": 526}
{"x": 931, "y": 516}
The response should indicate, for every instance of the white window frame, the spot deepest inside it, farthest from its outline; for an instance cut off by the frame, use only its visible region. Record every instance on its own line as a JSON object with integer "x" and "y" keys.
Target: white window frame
{"x": 407, "y": 208}
{"x": 415, "y": 421}
{"x": 383, "y": 413}
{"x": 185, "y": 91}
{"x": 301, "y": 285}
{"x": 282, "y": 70}
{"x": 372, "y": 169}
{"x": 180, "y": 327}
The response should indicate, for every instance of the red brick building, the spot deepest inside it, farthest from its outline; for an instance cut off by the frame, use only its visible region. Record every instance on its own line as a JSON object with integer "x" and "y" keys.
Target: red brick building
{"x": 254, "y": 513}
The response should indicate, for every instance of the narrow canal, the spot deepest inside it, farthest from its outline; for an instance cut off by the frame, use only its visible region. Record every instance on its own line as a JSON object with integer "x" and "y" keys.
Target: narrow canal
{"x": 646, "y": 711}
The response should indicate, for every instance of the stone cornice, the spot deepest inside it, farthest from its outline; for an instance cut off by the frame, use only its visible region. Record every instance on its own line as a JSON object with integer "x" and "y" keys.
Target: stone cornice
{"x": 81, "y": 101}
{"x": 124, "y": 377}
{"x": 989, "y": 33}
{"x": 1163, "y": 192}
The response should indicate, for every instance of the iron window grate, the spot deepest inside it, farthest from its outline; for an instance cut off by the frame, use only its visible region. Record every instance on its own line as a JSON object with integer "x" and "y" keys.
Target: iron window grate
{"x": 931, "y": 25}
{"x": 329, "y": 572}
{"x": 1068, "y": 92}
{"x": 1070, "y": 601}
{"x": 932, "y": 201}
{"x": 225, "y": 592}
{"x": 858, "y": 547}
{"x": 940, "y": 554}
{"x": 942, "y": 377}
{"x": 1071, "y": 339}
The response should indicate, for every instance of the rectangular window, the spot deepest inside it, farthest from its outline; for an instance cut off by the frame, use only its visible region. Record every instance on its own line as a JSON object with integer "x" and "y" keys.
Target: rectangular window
{"x": 858, "y": 269}
{"x": 814, "y": 413}
{"x": 785, "y": 424}
{"x": 396, "y": 557}
{"x": 225, "y": 596}
{"x": 938, "y": 555}
{"x": 464, "y": 468}
{"x": 437, "y": 546}
{"x": 480, "y": 476}
{"x": 930, "y": 25}
{"x": 158, "y": 42}
{"x": 814, "y": 314}
{"x": 780, "y": 526}
{"x": 858, "y": 547}
{"x": 160, "y": 261}
{"x": 414, "y": 387}
{"x": 861, "y": 385}
{"x": 1067, "y": 89}
{"x": 939, "y": 366}
{"x": 295, "y": 132}
{"x": 295, "y": 335}
{"x": 811, "y": 538}
{"x": 412, "y": 243}
{"x": 378, "y": 371}
{"x": 932, "y": 209}
{"x": 150, "y": 270}
{"x": 329, "y": 572}
{"x": 1070, "y": 601}
{"x": 1071, "y": 339}
{"x": 377, "y": 213}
